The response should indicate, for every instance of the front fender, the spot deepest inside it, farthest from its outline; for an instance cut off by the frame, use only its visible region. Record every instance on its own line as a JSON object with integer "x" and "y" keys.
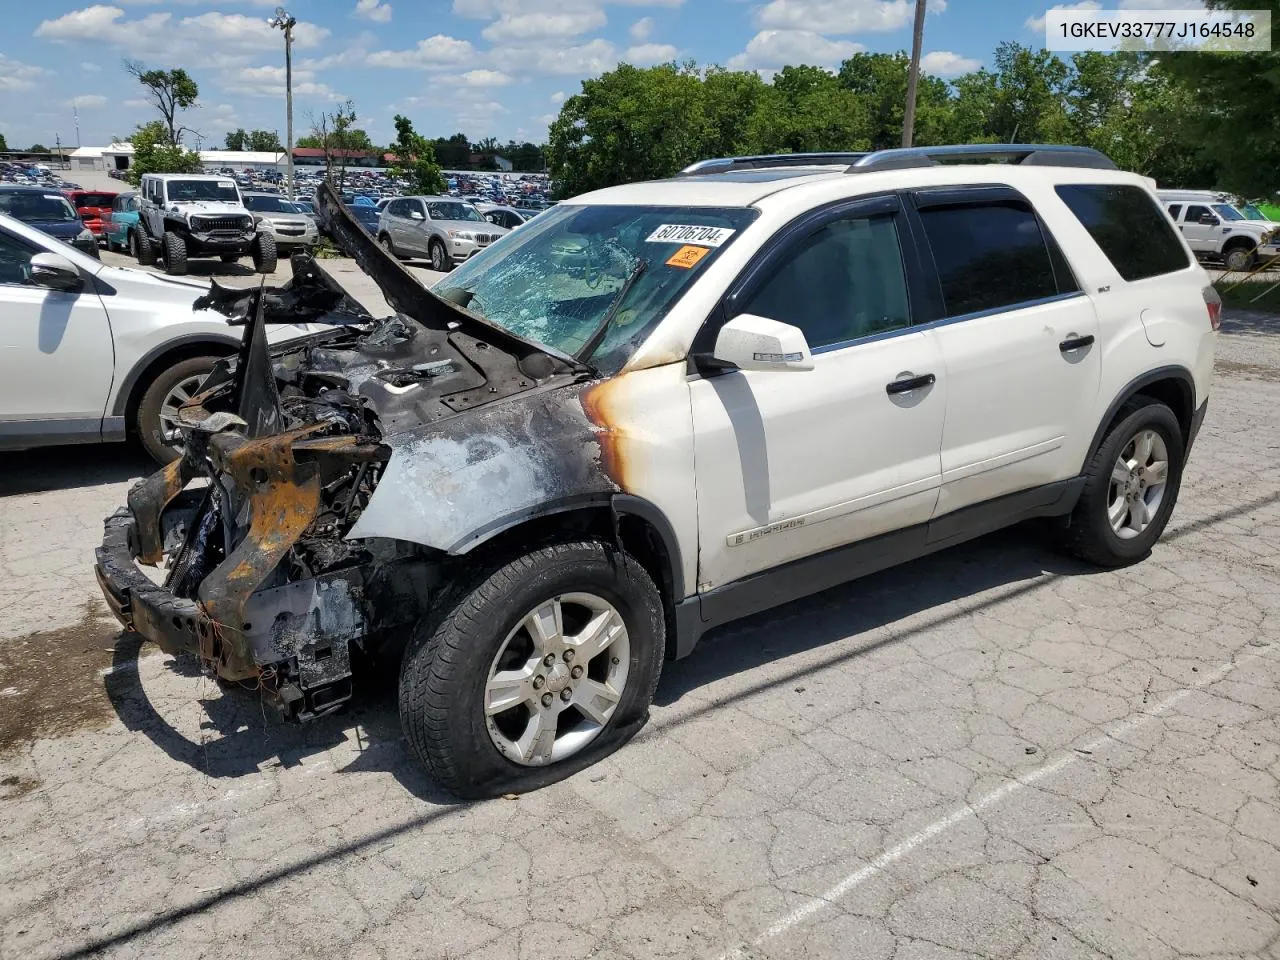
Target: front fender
{"x": 451, "y": 485}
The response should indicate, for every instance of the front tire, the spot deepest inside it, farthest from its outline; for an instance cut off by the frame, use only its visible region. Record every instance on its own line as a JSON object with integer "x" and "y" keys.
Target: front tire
{"x": 264, "y": 253}
{"x": 1131, "y": 486}
{"x": 439, "y": 256}
{"x": 159, "y": 406}
{"x": 1240, "y": 258}
{"x": 544, "y": 667}
{"x": 175, "y": 255}
{"x": 142, "y": 248}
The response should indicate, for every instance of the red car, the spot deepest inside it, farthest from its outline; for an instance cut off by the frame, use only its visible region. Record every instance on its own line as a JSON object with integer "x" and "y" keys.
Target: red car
{"x": 93, "y": 206}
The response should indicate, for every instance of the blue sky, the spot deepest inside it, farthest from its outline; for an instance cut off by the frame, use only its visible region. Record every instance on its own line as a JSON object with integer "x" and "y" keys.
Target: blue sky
{"x": 486, "y": 67}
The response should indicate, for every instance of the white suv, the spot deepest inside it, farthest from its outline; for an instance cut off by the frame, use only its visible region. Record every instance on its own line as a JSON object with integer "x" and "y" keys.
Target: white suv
{"x": 191, "y": 215}
{"x": 92, "y": 353}
{"x": 661, "y": 407}
{"x": 1216, "y": 230}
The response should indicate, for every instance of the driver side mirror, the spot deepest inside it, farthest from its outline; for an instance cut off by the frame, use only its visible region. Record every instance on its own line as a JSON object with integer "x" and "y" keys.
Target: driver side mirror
{"x": 416, "y": 215}
{"x": 1209, "y": 220}
{"x": 750, "y": 342}
{"x": 492, "y": 218}
{"x": 56, "y": 272}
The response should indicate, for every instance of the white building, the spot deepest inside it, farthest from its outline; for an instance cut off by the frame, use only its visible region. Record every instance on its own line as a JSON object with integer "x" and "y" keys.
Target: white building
{"x": 240, "y": 160}
{"x": 86, "y": 158}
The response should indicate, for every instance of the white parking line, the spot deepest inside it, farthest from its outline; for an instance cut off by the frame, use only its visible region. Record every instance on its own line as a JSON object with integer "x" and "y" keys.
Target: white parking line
{"x": 899, "y": 850}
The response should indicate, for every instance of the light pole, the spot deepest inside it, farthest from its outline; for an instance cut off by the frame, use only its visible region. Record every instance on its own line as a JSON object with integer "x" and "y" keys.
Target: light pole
{"x": 286, "y": 22}
{"x": 913, "y": 76}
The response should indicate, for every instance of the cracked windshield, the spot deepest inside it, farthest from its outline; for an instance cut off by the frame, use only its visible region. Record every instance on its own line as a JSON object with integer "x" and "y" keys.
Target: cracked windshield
{"x": 559, "y": 279}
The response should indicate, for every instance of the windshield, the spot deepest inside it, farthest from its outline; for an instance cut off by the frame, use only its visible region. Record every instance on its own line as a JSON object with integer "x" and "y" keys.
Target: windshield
{"x": 269, "y": 204}
{"x": 556, "y": 279}
{"x": 452, "y": 210}
{"x": 182, "y": 191}
{"x": 94, "y": 200}
{"x": 1227, "y": 212}
{"x": 364, "y": 214}
{"x": 32, "y": 206}
{"x": 1251, "y": 212}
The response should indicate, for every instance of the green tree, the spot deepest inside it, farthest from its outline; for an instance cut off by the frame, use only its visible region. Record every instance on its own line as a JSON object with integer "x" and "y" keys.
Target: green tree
{"x": 1031, "y": 96}
{"x": 36, "y": 148}
{"x": 1236, "y": 97}
{"x": 880, "y": 81}
{"x": 807, "y": 110}
{"x": 153, "y": 152}
{"x": 628, "y": 124}
{"x": 3, "y": 143}
{"x": 237, "y": 139}
{"x": 170, "y": 91}
{"x": 264, "y": 141}
{"x": 453, "y": 153}
{"x": 335, "y": 133}
{"x": 731, "y": 99}
{"x": 415, "y": 159}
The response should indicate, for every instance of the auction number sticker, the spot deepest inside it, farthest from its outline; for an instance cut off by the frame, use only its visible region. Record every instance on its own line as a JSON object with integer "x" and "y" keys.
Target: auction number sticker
{"x": 687, "y": 256}
{"x": 685, "y": 233}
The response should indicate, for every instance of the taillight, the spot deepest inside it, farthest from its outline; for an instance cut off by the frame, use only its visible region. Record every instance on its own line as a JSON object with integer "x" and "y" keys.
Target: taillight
{"x": 1213, "y": 303}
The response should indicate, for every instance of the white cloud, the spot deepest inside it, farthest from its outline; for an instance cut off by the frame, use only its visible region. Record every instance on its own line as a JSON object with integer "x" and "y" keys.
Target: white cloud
{"x": 771, "y": 49}
{"x": 136, "y": 103}
{"x": 437, "y": 51}
{"x": 547, "y": 119}
{"x": 90, "y": 67}
{"x": 647, "y": 54}
{"x": 558, "y": 97}
{"x": 86, "y": 100}
{"x": 16, "y": 75}
{"x": 207, "y": 39}
{"x": 268, "y": 81}
{"x": 587, "y": 59}
{"x": 840, "y": 16}
{"x": 490, "y": 9}
{"x": 642, "y": 29}
{"x": 944, "y": 63}
{"x": 1037, "y": 23}
{"x": 1161, "y": 5}
{"x": 373, "y": 10}
{"x": 474, "y": 80}
{"x": 522, "y": 27}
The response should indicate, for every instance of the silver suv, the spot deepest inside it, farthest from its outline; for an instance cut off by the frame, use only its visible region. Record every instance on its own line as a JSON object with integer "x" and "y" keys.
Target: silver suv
{"x": 444, "y": 230}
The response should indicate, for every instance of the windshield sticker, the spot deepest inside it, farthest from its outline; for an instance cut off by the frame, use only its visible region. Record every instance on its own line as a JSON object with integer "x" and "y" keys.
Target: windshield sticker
{"x": 54, "y": 196}
{"x": 683, "y": 233}
{"x": 225, "y": 183}
{"x": 687, "y": 257}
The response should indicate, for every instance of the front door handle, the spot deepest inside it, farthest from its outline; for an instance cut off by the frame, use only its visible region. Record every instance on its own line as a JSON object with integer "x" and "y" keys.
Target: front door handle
{"x": 1075, "y": 343}
{"x": 908, "y": 384}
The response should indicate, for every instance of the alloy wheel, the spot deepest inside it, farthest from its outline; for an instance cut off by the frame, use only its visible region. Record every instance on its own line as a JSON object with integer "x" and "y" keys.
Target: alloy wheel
{"x": 557, "y": 679}
{"x": 180, "y": 394}
{"x": 1138, "y": 482}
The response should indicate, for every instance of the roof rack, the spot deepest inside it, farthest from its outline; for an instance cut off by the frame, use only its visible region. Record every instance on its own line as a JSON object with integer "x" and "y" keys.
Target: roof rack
{"x": 1028, "y": 154}
{"x": 770, "y": 161}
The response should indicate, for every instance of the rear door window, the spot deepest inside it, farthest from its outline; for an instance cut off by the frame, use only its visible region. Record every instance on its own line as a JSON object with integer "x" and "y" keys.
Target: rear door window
{"x": 1125, "y": 223}
{"x": 991, "y": 256}
{"x": 1175, "y": 211}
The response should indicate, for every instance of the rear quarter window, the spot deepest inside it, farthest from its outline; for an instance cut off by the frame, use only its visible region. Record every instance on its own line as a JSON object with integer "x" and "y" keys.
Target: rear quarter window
{"x": 1129, "y": 228}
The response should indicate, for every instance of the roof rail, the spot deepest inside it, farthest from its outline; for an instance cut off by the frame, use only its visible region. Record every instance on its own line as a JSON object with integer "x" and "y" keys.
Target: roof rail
{"x": 1029, "y": 154}
{"x": 770, "y": 161}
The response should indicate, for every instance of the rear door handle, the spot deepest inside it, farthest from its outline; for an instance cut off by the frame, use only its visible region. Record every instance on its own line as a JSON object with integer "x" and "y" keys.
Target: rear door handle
{"x": 1075, "y": 343}
{"x": 910, "y": 383}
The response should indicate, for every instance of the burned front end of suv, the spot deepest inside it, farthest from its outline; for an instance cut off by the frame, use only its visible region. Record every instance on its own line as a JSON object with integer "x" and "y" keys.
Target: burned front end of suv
{"x": 276, "y": 537}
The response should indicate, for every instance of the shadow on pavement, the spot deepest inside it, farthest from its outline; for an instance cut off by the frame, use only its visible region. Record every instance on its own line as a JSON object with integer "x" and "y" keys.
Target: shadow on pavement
{"x": 62, "y": 468}
{"x": 1018, "y": 555}
{"x": 1256, "y": 322}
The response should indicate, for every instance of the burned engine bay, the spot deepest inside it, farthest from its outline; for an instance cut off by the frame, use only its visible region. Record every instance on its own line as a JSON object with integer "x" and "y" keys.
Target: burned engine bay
{"x": 285, "y": 448}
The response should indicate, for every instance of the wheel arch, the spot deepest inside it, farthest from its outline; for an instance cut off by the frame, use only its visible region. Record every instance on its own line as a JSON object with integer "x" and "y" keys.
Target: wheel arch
{"x": 1240, "y": 240}
{"x": 149, "y": 366}
{"x": 635, "y": 524}
{"x": 1173, "y": 386}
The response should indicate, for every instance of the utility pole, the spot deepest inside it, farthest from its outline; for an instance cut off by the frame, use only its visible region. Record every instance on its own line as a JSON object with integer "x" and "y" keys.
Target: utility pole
{"x": 913, "y": 76}
{"x": 286, "y": 22}
{"x": 75, "y": 114}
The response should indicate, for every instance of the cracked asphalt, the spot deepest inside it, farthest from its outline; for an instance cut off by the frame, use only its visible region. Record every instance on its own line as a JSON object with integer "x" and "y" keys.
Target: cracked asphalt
{"x": 993, "y": 752}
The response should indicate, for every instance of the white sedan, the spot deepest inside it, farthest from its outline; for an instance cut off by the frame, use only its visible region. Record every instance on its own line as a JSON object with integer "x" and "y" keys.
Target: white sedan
{"x": 92, "y": 353}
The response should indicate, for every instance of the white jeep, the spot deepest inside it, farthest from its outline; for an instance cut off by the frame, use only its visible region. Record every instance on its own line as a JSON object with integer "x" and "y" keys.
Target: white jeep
{"x": 1216, "y": 230}
{"x": 656, "y": 409}
{"x": 190, "y": 215}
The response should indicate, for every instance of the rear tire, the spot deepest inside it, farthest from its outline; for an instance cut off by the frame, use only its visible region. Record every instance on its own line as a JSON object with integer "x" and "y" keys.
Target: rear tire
{"x": 386, "y": 244}
{"x": 1104, "y": 528}
{"x": 449, "y": 672}
{"x": 264, "y": 253}
{"x": 149, "y": 424}
{"x": 175, "y": 255}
